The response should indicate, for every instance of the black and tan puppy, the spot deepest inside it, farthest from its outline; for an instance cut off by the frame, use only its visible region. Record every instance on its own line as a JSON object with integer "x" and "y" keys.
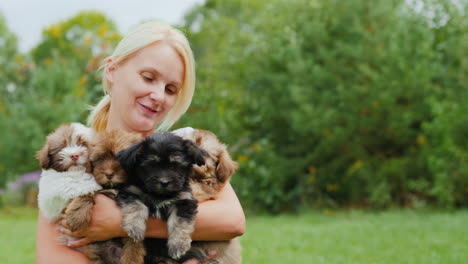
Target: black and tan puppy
{"x": 160, "y": 167}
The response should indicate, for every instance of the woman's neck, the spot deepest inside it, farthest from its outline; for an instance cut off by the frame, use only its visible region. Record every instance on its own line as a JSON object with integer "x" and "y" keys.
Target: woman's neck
{"x": 121, "y": 127}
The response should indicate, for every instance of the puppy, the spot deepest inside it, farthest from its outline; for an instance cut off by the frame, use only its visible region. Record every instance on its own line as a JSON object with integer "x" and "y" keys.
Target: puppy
{"x": 206, "y": 183}
{"x": 110, "y": 175}
{"x": 208, "y": 180}
{"x": 65, "y": 182}
{"x": 160, "y": 167}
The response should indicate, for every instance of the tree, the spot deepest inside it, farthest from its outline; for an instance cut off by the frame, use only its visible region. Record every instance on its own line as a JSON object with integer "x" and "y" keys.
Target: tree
{"x": 86, "y": 40}
{"x": 53, "y": 88}
{"x": 330, "y": 102}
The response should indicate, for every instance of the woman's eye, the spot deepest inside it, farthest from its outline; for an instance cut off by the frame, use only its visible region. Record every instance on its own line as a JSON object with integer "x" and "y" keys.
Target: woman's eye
{"x": 171, "y": 89}
{"x": 147, "y": 77}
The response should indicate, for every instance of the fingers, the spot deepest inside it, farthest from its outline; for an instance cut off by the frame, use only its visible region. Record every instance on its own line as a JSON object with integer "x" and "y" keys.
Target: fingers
{"x": 64, "y": 224}
{"x": 79, "y": 243}
{"x": 211, "y": 255}
{"x": 68, "y": 232}
{"x": 74, "y": 243}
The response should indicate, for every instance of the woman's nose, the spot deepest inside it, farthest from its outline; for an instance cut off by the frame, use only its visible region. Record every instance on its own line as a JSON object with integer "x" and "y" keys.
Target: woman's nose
{"x": 158, "y": 92}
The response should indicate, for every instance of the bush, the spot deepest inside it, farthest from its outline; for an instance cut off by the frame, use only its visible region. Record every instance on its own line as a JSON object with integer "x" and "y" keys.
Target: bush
{"x": 339, "y": 99}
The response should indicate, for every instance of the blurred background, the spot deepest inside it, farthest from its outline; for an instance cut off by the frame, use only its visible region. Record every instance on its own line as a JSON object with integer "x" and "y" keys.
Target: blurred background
{"x": 324, "y": 103}
{"x": 328, "y": 105}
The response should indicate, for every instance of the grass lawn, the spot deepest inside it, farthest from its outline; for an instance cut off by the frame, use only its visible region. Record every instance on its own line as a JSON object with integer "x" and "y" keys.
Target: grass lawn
{"x": 17, "y": 235}
{"x": 358, "y": 237}
{"x": 341, "y": 237}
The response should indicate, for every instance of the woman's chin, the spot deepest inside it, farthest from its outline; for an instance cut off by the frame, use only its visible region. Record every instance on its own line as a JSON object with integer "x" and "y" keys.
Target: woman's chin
{"x": 145, "y": 126}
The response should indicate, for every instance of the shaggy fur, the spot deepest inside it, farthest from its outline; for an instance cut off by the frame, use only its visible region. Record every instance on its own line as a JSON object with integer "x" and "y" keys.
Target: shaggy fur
{"x": 206, "y": 183}
{"x": 110, "y": 175}
{"x": 161, "y": 166}
{"x": 208, "y": 180}
{"x": 64, "y": 181}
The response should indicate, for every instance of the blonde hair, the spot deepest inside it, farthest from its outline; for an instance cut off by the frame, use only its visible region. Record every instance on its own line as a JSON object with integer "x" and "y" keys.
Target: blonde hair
{"x": 137, "y": 38}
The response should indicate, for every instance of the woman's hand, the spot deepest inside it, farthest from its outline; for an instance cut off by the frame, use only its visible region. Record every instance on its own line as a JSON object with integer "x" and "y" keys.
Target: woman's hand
{"x": 211, "y": 255}
{"x": 106, "y": 220}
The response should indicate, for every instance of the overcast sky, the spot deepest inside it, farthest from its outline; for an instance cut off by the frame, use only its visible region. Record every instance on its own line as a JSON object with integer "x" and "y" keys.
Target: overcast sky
{"x": 27, "y": 18}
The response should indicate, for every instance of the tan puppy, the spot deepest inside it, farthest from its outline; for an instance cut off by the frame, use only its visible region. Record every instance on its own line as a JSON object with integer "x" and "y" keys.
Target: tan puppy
{"x": 110, "y": 175}
{"x": 206, "y": 183}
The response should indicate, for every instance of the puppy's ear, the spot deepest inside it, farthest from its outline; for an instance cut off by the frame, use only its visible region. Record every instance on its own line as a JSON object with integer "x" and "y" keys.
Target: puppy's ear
{"x": 225, "y": 167}
{"x": 195, "y": 152}
{"x": 128, "y": 157}
{"x": 43, "y": 156}
{"x": 89, "y": 167}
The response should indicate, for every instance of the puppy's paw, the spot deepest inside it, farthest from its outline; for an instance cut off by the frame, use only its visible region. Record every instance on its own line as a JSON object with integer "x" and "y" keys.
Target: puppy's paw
{"x": 136, "y": 232}
{"x": 134, "y": 220}
{"x": 135, "y": 228}
{"x": 178, "y": 247}
{"x": 133, "y": 252}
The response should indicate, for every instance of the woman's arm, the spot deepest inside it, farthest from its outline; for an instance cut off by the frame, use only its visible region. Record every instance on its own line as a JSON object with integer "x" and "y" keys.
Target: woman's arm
{"x": 49, "y": 250}
{"x": 220, "y": 219}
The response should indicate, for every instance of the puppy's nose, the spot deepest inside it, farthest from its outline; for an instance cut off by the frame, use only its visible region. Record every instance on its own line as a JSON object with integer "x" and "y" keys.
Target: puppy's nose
{"x": 75, "y": 157}
{"x": 109, "y": 175}
{"x": 164, "y": 183}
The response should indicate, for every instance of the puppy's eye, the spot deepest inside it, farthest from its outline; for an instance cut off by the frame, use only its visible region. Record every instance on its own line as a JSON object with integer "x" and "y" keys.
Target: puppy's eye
{"x": 81, "y": 141}
{"x": 179, "y": 160}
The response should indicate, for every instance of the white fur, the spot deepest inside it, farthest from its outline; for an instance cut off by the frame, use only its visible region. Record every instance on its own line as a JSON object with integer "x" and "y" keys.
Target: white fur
{"x": 184, "y": 132}
{"x": 57, "y": 188}
{"x": 68, "y": 151}
{"x": 81, "y": 130}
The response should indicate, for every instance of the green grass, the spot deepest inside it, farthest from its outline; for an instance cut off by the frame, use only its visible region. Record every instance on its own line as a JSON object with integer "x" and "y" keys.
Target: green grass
{"x": 17, "y": 235}
{"x": 342, "y": 237}
{"x": 358, "y": 237}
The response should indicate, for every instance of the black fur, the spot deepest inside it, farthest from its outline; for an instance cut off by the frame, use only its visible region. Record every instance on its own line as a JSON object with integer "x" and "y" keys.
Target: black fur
{"x": 164, "y": 161}
{"x": 159, "y": 168}
{"x": 157, "y": 252}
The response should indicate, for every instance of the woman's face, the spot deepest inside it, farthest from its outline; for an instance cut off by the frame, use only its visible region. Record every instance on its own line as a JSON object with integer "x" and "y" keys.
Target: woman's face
{"x": 144, "y": 88}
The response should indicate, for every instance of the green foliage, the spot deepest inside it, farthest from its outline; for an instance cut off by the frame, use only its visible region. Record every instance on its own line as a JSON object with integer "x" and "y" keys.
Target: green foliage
{"x": 52, "y": 86}
{"x": 85, "y": 40}
{"x": 338, "y": 97}
{"x": 323, "y": 103}
{"x": 8, "y": 59}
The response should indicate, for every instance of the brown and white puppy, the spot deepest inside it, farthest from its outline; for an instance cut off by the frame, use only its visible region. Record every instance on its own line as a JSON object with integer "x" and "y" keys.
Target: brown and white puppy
{"x": 110, "y": 175}
{"x": 206, "y": 183}
{"x": 66, "y": 189}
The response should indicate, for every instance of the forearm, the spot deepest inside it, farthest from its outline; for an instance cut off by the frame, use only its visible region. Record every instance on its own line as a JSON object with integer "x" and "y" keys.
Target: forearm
{"x": 220, "y": 219}
{"x": 217, "y": 221}
{"x": 49, "y": 250}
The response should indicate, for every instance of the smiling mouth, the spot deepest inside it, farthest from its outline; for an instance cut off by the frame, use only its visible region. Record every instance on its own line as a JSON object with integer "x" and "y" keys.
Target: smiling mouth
{"x": 148, "y": 108}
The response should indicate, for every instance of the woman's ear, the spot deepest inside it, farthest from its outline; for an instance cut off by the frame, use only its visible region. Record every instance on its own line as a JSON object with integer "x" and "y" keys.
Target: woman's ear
{"x": 109, "y": 70}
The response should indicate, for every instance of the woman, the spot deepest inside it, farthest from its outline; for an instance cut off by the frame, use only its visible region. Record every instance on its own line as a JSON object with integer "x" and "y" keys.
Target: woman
{"x": 149, "y": 82}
